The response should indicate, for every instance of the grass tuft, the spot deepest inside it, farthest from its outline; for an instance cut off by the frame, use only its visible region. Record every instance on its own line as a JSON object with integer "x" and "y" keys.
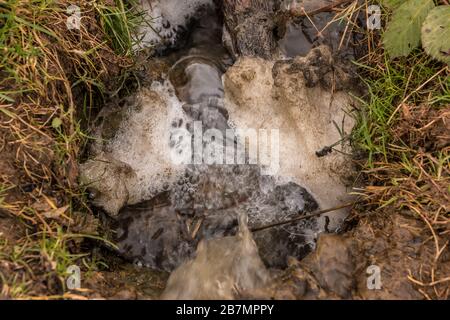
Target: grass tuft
{"x": 52, "y": 82}
{"x": 403, "y": 129}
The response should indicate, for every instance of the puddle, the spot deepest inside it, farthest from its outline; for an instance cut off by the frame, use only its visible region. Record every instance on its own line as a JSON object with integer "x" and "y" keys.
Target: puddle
{"x": 203, "y": 204}
{"x": 295, "y": 42}
{"x": 167, "y": 21}
{"x": 222, "y": 269}
{"x": 183, "y": 216}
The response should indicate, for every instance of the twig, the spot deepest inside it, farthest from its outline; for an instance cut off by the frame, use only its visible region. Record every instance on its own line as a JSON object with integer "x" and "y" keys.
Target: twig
{"x": 300, "y": 12}
{"x": 328, "y": 149}
{"x": 315, "y": 214}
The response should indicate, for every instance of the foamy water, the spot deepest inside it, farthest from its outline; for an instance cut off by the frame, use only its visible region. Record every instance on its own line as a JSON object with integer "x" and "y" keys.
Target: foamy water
{"x": 204, "y": 200}
{"x": 222, "y": 269}
{"x": 173, "y": 204}
{"x": 165, "y": 18}
{"x": 144, "y": 141}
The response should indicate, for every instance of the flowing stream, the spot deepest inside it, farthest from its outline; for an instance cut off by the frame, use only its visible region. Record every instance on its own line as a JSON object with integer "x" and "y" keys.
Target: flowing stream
{"x": 205, "y": 200}
{"x": 174, "y": 211}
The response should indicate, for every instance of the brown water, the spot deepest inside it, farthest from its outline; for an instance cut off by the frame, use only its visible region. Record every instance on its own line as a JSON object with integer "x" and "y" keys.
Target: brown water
{"x": 204, "y": 203}
{"x": 240, "y": 268}
{"x": 187, "y": 219}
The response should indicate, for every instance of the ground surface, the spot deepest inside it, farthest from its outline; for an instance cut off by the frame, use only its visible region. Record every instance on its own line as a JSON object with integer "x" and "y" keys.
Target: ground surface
{"x": 50, "y": 86}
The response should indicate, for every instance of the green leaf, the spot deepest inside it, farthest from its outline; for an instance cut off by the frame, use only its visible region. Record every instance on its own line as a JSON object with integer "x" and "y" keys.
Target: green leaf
{"x": 392, "y": 4}
{"x": 403, "y": 31}
{"x": 436, "y": 34}
{"x": 5, "y": 97}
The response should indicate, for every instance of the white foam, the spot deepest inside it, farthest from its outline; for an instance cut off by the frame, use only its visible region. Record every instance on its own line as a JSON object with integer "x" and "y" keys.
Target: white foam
{"x": 306, "y": 118}
{"x": 159, "y": 12}
{"x": 143, "y": 141}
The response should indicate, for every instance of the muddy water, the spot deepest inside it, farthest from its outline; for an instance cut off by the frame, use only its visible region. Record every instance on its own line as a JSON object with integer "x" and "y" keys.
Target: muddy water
{"x": 241, "y": 269}
{"x": 187, "y": 214}
{"x": 302, "y": 34}
{"x": 205, "y": 201}
{"x": 204, "y": 204}
{"x": 295, "y": 42}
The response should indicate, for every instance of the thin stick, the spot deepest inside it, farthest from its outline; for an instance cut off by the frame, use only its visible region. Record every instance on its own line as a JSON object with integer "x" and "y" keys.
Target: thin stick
{"x": 329, "y": 7}
{"x": 318, "y": 213}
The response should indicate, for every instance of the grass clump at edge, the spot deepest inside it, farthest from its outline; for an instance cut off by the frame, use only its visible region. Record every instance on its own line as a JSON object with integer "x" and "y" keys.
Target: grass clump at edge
{"x": 403, "y": 131}
{"x": 52, "y": 81}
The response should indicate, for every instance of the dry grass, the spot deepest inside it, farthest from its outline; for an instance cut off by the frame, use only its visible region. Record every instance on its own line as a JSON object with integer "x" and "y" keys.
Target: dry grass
{"x": 416, "y": 179}
{"x": 51, "y": 82}
{"x": 404, "y": 132}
